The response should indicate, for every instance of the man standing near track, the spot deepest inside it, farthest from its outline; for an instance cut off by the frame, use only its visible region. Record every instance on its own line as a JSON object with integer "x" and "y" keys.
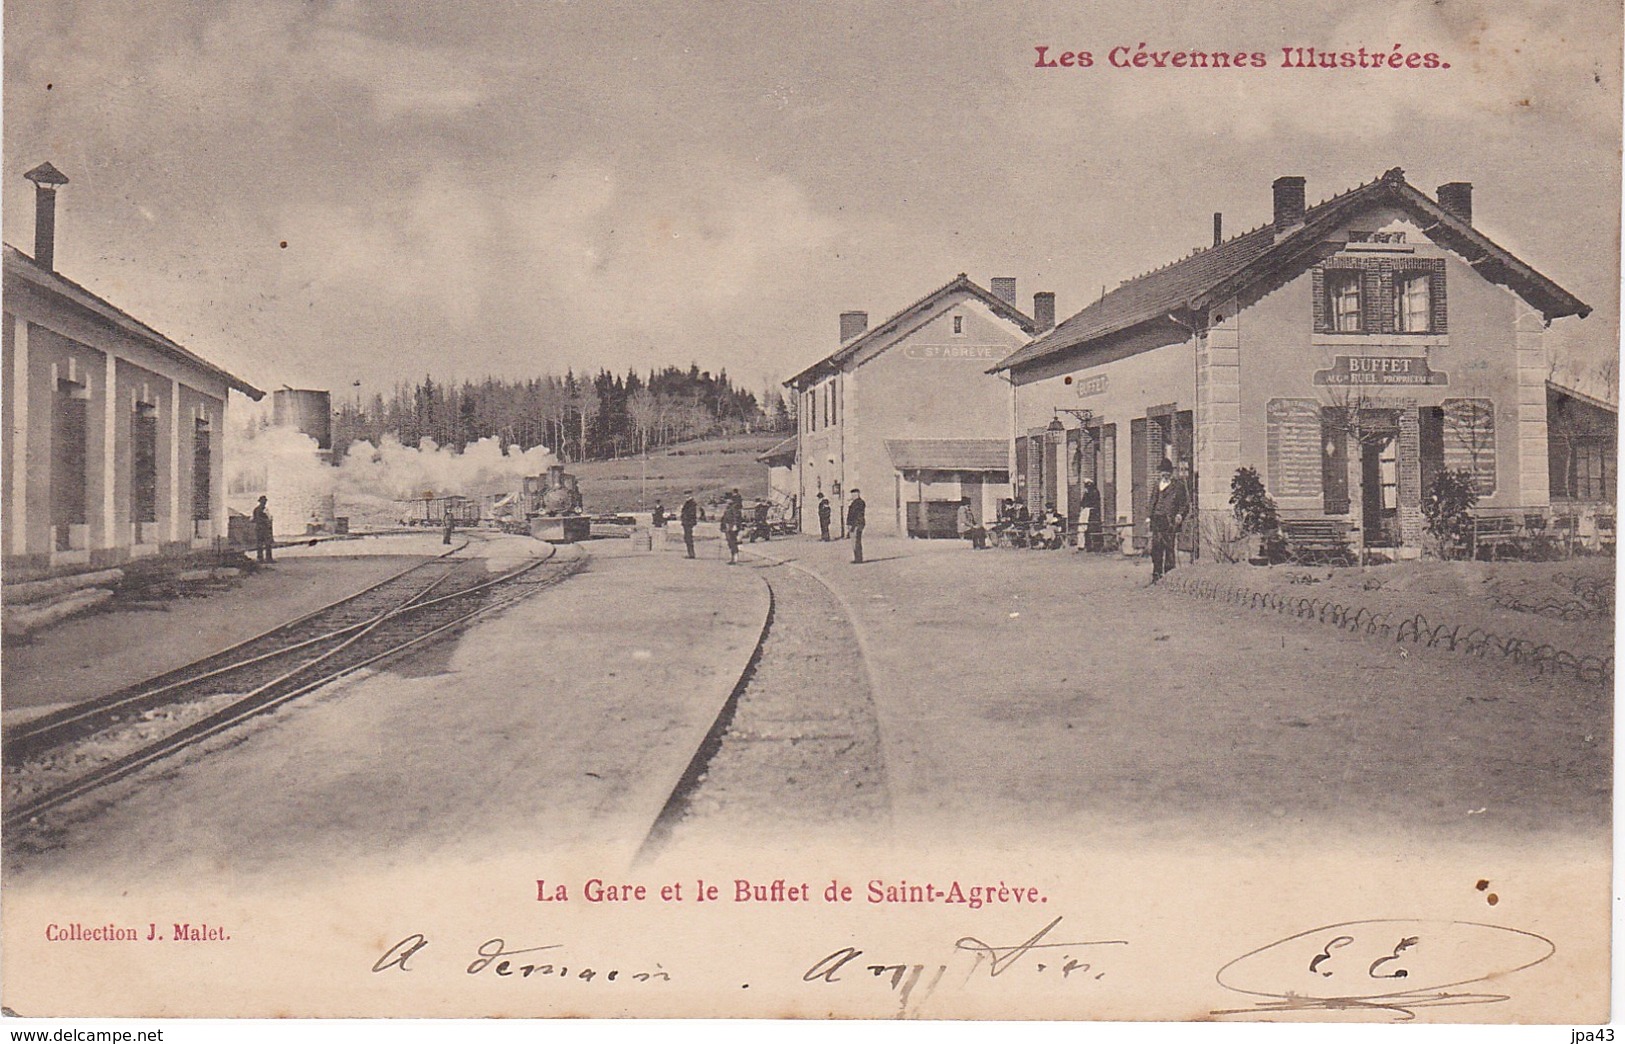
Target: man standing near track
{"x": 264, "y": 542}
{"x": 854, "y": 524}
{"x": 688, "y": 516}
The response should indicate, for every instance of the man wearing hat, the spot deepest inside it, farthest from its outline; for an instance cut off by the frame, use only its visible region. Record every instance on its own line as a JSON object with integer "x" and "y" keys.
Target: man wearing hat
{"x": 264, "y": 542}
{"x": 688, "y": 515}
{"x": 854, "y": 524}
{"x": 1170, "y": 503}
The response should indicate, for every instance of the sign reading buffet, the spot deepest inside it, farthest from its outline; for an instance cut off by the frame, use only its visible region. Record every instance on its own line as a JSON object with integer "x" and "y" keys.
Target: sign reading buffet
{"x": 1380, "y": 369}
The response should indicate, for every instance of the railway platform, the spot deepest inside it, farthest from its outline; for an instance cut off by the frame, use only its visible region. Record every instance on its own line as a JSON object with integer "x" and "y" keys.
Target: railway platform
{"x": 91, "y": 655}
{"x": 565, "y": 721}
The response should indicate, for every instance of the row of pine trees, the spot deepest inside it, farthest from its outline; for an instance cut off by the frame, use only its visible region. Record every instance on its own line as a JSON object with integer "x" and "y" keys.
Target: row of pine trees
{"x": 578, "y": 418}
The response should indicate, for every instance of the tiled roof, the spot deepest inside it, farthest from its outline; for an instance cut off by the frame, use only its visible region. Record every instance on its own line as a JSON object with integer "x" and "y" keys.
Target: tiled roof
{"x": 949, "y": 454}
{"x": 1193, "y": 282}
{"x": 780, "y": 450}
{"x": 1611, "y": 405}
{"x": 25, "y": 267}
{"x": 893, "y": 325}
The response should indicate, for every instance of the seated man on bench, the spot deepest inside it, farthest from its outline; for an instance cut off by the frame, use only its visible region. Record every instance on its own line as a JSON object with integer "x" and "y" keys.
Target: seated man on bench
{"x": 969, "y": 527}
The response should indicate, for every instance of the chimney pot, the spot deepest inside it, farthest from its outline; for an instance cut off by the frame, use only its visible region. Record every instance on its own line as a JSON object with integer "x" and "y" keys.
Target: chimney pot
{"x": 1004, "y": 288}
{"x": 1457, "y": 198}
{"x": 1218, "y": 228}
{"x": 1289, "y": 202}
{"x": 852, "y": 324}
{"x": 1044, "y": 310}
{"x": 46, "y": 179}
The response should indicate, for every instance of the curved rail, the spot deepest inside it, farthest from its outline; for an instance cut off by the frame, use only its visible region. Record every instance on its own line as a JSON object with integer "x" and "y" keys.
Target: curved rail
{"x": 274, "y": 694}
{"x": 62, "y": 726}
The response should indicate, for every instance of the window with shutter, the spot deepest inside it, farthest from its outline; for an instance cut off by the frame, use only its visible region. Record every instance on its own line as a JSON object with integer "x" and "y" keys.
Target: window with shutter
{"x": 144, "y": 463}
{"x": 202, "y": 471}
{"x": 1469, "y": 440}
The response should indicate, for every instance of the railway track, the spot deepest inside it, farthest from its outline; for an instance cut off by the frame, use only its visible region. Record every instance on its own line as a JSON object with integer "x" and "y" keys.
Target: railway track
{"x": 800, "y": 720}
{"x": 144, "y": 724}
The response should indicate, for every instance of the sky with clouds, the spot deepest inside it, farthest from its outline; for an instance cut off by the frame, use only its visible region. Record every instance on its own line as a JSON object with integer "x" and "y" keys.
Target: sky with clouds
{"x": 512, "y": 188}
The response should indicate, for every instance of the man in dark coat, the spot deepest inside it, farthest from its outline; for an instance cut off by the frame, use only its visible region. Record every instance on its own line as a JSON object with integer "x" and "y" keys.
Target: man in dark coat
{"x": 688, "y": 516}
{"x": 823, "y": 518}
{"x": 1170, "y": 503}
{"x": 1091, "y": 516}
{"x": 1020, "y": 523}
{"x": 263, "y": 540}
{"x": 759, "y": 523}
{"x": 854, "y": 525}
{"x": 733, "y": 517}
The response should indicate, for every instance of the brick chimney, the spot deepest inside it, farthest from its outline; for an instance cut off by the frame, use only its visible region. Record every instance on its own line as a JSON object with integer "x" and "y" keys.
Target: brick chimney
{"x": 47, "y": 179}
{"x": 1004, "y": 288}
{"x": 1044, "y": 310}
{"x": 1289, "y": 204}
{"x": 1457, "y": 198}
{"x": 852, "y": 324}
{"x": 1218, "y": 228}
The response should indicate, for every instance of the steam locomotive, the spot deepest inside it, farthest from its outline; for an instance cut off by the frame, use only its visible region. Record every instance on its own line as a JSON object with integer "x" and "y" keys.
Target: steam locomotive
{"x": 546, "y": 506}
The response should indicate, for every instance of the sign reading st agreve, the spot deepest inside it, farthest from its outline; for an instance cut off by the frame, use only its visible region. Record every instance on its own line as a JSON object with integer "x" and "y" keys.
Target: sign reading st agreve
{"x": 1381, "y": 370}
{"x": 984, "y": 353}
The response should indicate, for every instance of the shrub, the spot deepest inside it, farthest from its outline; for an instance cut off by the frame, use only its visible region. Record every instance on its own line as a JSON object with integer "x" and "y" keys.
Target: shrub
{"x": 1448, "y": 510}
{"x": 1255, "y": 511}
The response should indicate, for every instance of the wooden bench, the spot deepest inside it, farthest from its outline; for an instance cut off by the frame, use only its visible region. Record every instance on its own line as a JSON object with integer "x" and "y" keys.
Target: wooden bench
{"x": 1494, "y": 533}
{"x": 1317, "y": 540}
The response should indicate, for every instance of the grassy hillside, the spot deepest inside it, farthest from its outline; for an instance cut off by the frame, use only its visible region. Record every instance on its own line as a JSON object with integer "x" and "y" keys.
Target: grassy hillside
{"x": 708, "y": 467}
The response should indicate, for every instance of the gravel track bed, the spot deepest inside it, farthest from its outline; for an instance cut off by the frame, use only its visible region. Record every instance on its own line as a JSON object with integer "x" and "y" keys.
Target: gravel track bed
{"x": 803, "y": 747}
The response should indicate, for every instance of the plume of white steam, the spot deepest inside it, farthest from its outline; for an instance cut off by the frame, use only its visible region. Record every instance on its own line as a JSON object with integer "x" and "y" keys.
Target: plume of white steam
{"x": 393, "y": 471}
{"x": 370, "y": 481}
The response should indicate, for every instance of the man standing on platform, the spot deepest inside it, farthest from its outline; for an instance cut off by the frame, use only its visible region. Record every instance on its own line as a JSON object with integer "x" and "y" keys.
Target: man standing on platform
{"x": 264, "y": 542}
{"x": 688, "y": 515}
{"x": 657, "y": 527}
{"x": 1170, "y": 503}
{"x": 823, "y": 518}
{"x": 1089, "y": 519}
{"x": 733, "y": 518}
{"x": 854, "y": 524}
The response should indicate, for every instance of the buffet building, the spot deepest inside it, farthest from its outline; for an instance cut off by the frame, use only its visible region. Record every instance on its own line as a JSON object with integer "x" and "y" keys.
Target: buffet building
{"x": 1348, "y": 351}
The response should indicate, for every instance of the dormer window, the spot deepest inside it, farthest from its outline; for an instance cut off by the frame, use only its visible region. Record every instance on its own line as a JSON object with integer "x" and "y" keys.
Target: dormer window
{"x": 1413, "y": 302}
{"x": 1343, "y": 299}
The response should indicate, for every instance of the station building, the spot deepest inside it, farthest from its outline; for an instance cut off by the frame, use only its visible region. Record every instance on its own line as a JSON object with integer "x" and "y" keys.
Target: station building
{"x": 1583, "y": 444}
{"x": 1347, "y": 351}
{"x": 114, "y": 431}
{"x": 906, "y": 412}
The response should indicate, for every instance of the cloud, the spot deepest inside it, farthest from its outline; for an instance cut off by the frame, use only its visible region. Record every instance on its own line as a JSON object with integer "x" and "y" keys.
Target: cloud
{"x": 585, "y": 257}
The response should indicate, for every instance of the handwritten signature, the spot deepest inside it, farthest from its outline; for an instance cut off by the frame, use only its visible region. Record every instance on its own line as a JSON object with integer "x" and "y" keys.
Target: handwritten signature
{"x": 494, "y": 956}
{"x": 904, "y": 977}
{"x": 1392, "y": 966}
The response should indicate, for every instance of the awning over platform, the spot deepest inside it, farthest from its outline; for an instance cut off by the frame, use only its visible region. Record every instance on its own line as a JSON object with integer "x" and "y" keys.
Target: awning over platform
{"x": 949, "y": 454}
